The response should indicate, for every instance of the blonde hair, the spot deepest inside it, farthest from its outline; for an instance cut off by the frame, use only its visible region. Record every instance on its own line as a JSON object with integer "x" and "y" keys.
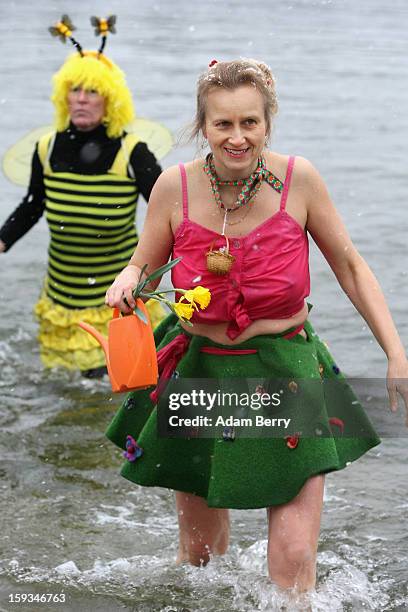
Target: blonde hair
{"x": 98, "y": 72}
{"x": 233, "y": 74}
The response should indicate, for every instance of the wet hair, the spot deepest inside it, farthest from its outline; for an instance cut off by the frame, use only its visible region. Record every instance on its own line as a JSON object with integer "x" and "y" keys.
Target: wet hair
{"x": 233, "y": 74}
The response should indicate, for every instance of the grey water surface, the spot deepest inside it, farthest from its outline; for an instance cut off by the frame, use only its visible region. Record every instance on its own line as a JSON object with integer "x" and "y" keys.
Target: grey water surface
{"x": 68, "y": 522}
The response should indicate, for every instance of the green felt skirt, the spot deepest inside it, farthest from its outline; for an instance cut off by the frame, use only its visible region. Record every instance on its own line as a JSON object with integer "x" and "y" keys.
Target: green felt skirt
{"x": 250, "y": 472}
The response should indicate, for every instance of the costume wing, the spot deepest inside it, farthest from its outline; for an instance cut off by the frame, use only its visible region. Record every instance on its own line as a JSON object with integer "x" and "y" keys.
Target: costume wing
{"x": 157, "y": 137}
{"x": 17, "y": 160}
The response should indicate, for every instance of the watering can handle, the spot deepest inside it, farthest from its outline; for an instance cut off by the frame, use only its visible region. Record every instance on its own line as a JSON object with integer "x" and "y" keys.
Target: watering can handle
{"x": 117, "y": 313}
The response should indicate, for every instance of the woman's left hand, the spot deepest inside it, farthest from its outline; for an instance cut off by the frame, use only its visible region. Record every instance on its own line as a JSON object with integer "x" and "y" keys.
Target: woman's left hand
{"x": 397, "y": 382}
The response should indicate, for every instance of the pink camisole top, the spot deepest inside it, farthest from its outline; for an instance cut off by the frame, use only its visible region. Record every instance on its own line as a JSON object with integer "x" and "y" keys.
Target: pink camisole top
{"x": 269, "y": 278}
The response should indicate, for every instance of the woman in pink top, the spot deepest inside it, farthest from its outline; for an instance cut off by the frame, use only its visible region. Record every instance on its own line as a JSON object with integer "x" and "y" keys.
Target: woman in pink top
{"x": 256, "y": 206}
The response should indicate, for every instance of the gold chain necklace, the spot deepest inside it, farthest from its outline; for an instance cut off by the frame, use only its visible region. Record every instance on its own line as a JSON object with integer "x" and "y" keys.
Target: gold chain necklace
{"x": 226, "y": 212}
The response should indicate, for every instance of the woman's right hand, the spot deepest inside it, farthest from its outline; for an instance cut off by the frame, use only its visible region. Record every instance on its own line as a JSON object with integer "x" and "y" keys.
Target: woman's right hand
{"x": 2, "y": 246}
{"x": 121, "y": 289}
{"x": 155, "y": 242}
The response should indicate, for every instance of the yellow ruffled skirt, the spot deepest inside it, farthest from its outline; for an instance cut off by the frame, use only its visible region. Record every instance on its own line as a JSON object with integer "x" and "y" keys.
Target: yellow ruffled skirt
{"x": 64, "y": 344}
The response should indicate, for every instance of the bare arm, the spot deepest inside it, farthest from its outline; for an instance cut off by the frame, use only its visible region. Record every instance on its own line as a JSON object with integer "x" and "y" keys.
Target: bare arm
{"x": 155, "y": 242}
{"x": 355, "y": 278}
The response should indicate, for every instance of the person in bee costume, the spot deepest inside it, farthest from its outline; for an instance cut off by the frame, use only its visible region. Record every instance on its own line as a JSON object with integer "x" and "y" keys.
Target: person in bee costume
{"x": 86, "y": 176}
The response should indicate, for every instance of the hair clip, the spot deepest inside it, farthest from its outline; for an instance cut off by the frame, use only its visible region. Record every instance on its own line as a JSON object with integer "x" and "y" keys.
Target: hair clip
{"x": 212, "y": 63}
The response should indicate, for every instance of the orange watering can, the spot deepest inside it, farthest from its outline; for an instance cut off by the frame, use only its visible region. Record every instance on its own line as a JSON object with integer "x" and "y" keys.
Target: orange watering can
{"x": 129, "y": 350}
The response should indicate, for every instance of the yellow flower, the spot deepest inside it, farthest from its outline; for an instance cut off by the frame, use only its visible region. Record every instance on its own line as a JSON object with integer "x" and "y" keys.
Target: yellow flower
{"x": 183, "y": 311}
{"x": 199, "y": 294}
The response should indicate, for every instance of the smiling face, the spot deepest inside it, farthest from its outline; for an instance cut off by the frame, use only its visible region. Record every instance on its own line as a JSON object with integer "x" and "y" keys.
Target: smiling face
{"x": 86, "y": 108}
{"x": 235, "y": 128}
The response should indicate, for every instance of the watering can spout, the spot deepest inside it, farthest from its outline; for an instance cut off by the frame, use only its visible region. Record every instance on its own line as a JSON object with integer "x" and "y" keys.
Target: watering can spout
{"x": 97, "y": 335}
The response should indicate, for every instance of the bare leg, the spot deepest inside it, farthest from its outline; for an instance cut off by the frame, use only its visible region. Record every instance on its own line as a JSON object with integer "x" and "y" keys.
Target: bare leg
{"x": 204, "y": 531}
{"x": 293, "y": 536}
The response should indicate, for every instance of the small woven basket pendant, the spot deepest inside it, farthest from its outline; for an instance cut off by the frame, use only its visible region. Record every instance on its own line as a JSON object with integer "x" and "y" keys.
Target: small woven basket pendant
{"x": 219, "y": 262}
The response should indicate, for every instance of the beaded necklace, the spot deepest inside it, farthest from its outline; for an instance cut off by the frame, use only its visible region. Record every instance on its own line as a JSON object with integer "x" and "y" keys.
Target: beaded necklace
{"x": 250, "y": 185}
{"x": 220, "y": 262}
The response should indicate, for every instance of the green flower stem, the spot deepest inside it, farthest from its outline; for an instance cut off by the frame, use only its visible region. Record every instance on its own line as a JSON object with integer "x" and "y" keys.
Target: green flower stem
{"x": 153, "y": 276}
{"x": 151, "y": 294}
{"x": 155, "y": 296}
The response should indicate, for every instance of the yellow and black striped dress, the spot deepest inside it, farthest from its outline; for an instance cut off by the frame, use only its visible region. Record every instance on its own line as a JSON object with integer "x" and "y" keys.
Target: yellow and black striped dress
{"x": 92, "y": 237}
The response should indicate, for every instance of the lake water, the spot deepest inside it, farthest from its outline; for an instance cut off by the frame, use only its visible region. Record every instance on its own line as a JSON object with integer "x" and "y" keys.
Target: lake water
{"x": 69, "y": 523}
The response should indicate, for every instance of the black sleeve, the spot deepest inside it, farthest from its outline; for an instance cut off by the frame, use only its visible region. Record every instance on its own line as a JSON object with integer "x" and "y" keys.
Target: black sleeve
{"x": 145, "y": 167}
{"x": 30, "y": 209}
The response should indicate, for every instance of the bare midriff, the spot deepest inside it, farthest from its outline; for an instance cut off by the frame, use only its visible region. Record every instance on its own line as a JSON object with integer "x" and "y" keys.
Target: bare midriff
{"x": 218, "y": 332}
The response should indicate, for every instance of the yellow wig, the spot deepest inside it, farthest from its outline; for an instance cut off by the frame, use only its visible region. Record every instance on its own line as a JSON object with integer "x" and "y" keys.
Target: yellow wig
{"x": 93, "y": 71}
